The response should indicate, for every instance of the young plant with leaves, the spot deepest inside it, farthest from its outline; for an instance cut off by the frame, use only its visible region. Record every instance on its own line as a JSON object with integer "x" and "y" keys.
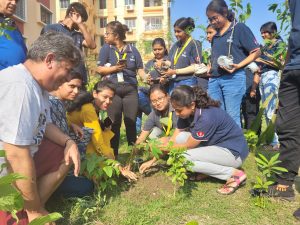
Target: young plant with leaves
{"x": 179, "y": 166}
{"x": 102, "y": 171}
{"x": 243, "y": 12}
{"x": 267, "y": 168}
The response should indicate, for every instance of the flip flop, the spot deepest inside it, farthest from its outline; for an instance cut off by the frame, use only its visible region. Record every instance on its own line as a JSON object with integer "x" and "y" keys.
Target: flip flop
{"x": 232, "y": 189}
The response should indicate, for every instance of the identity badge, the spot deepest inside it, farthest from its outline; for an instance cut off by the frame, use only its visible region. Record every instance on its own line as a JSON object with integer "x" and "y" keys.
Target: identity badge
{"x": 120, "y": 77}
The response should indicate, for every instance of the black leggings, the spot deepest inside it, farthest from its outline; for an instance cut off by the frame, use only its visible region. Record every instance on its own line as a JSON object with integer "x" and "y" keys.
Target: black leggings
{"x": 125, "y": 102}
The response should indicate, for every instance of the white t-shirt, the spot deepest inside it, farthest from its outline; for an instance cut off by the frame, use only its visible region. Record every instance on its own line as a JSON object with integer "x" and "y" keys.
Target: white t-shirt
{"x": 24, "y": 108}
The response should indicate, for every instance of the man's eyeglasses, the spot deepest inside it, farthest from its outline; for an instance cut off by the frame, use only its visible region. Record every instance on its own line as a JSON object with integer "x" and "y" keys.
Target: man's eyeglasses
{"x": 158, "y": 100}
{"x": 107, "y": 33}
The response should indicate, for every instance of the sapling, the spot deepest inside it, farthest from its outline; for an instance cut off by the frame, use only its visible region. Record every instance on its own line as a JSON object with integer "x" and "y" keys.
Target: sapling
{"x": 267, "y": 168}
{"x": 179, "y": 166}
{"x": 102, "y": 171}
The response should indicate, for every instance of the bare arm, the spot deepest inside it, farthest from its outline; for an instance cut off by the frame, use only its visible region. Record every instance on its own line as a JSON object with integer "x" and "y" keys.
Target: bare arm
{"x": 255, "y": 83}
{"x": 144, "y": 134}
{"x": 103, "y": 70}
{"x": 54, "y": 134}
{"x": 88, "y": 40}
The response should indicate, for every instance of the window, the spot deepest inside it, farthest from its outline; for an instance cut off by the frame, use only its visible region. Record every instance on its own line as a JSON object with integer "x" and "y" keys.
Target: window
{"x": 64, "y": 4}
{"x": 150, "y": 3}
{"x": 153, "y": 23}
{"x": 21, "y": 10}
{"x": 46, "y": 15}
{"x": 102, "y": 40}
{"x": 103, "y": 22}
{"x": 130, "y": 23}
{"x": 102, "y": 4}
{"x": 129, "y": 2}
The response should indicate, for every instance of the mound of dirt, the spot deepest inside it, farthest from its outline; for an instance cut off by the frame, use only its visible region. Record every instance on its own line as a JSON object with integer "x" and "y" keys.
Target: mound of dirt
{"x": 153, "y": 185}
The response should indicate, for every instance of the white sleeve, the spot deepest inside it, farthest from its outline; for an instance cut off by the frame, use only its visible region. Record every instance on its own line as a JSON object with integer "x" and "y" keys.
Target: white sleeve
{"x": 20, "y": 114}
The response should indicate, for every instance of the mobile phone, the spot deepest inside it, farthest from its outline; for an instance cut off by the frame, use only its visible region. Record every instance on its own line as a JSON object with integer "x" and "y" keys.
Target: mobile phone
{"x": 107, "y": 122}
{"x": 122, "y": 61}
{"x": 155, "y": 81}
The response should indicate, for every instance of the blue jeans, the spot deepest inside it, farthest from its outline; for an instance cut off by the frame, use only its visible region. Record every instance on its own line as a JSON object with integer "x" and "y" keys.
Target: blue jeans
{"x": 229, "y": 89}
{"x": 73, "y": 187}
{"x": 269, "y": 84}
{"x": 144, "y": 107}
{"x": 189, "y": 82}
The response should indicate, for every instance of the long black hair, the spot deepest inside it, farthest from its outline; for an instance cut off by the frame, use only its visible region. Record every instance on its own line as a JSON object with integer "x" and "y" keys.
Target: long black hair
{"x": 87, "y": 97}
{"x": 220, "y": 7}
{"x": 184, "y": 96}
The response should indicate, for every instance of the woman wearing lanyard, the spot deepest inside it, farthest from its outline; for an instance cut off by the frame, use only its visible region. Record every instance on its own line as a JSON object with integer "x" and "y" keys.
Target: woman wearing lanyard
{"x": 160, "y": 101}
{"x": 183, "y": 55}
{"x": 120, "y": 63}
{"x": 232, "y": 41}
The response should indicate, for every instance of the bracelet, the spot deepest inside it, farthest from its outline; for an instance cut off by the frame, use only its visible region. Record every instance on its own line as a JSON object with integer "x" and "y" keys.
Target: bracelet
{"x": 68, "y": 139}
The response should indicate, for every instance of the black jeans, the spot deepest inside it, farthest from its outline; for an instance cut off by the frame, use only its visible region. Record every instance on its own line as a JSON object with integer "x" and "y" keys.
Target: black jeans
{"x": 125, "y": 102}
{"x": 288, "y": 125}
{"x": 250, "y": 106}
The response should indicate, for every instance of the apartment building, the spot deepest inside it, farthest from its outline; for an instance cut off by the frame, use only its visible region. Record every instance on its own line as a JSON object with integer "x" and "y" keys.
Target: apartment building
{"x": 32, "y": 15}
{"x": 146, "y": 19}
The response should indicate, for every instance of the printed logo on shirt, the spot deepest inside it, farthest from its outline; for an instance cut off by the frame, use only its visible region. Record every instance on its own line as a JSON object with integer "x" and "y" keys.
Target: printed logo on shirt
{"x": 200, "y": 134}
{"x": 132, "y": 58}
{"x": 184, "y": 54}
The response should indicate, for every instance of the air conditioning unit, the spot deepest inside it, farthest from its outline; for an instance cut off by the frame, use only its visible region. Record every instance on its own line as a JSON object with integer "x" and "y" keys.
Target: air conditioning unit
{"x": 130, "y": 7}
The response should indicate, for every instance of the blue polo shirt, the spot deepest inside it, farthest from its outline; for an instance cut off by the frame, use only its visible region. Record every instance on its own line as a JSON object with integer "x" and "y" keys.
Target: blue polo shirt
{"x": 189, "y": 56}
{"x": 294, "y": 40}
{"x": 12, "y": 51}
{"x": 134, "y": 61}
{"x": 150, "y": 68}
{"x": 243, "y": 44}
{"x": 213, "y": 126}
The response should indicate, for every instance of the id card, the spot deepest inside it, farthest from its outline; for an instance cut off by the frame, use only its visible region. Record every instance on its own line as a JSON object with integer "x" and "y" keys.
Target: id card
{"x": 120, "y": 77}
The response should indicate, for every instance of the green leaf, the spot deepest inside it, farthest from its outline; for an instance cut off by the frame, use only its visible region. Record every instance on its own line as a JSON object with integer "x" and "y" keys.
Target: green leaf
{"x": 274, "y": 159}
{"x": 108, "y": 170}
{"x": 10, "y": 178}
{"x": 263, "y": 158}
{"x": 46, "y": 219}
{"x": 2, "y": 153}
{"x": 10, "y": 198}
{"x": 279, "y": 169}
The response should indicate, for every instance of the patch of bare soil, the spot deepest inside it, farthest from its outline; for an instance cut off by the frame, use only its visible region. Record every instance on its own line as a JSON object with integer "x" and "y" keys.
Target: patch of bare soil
{"x": 152, "y": 184}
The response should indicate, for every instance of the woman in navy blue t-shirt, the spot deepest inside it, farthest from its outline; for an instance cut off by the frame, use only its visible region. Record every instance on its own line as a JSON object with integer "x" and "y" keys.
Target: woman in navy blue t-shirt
{"x": 215, "y": 143}
{"x": 227, "y": 83}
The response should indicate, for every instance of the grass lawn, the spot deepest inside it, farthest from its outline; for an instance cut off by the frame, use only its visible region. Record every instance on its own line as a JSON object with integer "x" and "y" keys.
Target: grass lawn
{"x": 151, "y": 201}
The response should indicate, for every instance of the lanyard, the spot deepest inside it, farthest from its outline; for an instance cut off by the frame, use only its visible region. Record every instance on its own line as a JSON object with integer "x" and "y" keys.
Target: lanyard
{"x": 123, "y": 57}
{"x": 169, "y": 125}
{"x": 176, "y": 57}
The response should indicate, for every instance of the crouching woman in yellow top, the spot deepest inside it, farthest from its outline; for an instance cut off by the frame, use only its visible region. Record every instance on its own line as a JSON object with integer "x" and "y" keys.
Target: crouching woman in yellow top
{"x": 84, "y": 112}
